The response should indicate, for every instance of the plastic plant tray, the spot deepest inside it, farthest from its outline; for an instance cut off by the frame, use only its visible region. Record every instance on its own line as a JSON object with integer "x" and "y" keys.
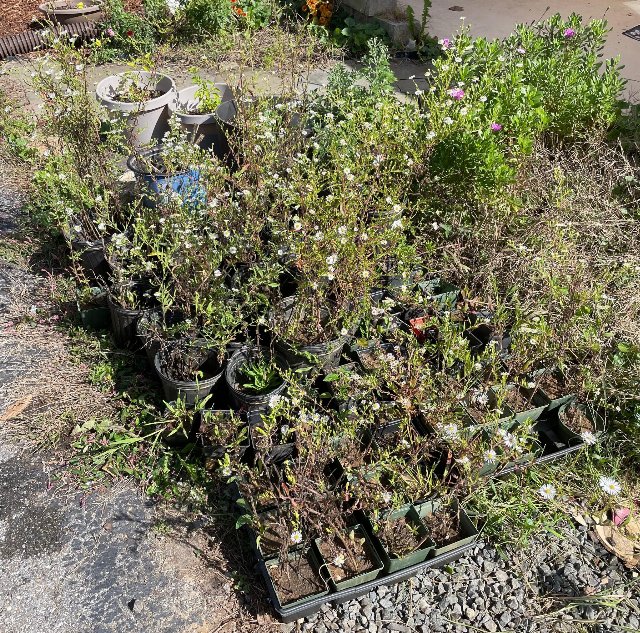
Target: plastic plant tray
{"x": 294, "y": 612}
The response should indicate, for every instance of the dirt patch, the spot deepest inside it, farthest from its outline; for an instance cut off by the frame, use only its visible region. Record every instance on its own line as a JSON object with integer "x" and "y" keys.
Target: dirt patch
{"x": 19, "y": 15}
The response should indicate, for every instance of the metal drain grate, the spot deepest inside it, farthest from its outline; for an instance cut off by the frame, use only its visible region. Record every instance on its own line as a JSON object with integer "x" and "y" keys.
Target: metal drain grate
{"x": 633, "y": 33}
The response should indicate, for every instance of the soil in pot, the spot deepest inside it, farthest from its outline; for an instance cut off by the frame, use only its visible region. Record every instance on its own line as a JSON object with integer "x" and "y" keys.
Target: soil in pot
{"x": 576, "y": 420}
{"x": 443, "y": 526}
{"x": 401, "y": 536}
{"x": 514, "y": 399}
{"x": 553, "y": 385}
{"x": 347, "y": 555}
{"x": 296, "y": 578}
{"x": 180, "y": 364}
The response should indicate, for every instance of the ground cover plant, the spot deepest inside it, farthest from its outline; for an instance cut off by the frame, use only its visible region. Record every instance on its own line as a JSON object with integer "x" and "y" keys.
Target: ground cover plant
{"x": 363, "y": 311}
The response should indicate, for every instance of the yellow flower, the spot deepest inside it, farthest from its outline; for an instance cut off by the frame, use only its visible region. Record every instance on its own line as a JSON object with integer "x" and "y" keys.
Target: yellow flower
{"x": 80, "y": 5}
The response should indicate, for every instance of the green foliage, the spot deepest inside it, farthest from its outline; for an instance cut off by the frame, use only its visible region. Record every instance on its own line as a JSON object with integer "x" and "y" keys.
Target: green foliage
{"x": 259, "y": 376}
{"x": 355, "y": 35}
{"x": 204, "y": 18}
{"x": 16, "y": 131}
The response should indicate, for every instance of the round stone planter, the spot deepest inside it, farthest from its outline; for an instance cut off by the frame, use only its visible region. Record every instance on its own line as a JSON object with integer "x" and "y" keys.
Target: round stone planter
{"x": 148, "y": 120}
{"x": 209, "y": 131}
{"x": 67, "y": 12}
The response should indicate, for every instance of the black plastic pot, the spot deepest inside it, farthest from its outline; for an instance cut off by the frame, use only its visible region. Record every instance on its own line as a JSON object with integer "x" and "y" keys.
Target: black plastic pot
{"x": 191, "y": 391}
{"x": 92, "y": 256}
{"x": 214, "y": 451}
{"x": 123, "y": 322}
{"x": 240, "y": 398}
{"x": 321, "y": 356}
{"x": 277, "y": 453}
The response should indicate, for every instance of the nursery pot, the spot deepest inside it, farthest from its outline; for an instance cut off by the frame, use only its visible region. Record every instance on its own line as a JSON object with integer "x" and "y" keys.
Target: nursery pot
{"x": 148, "y": 120}
{"x": 123, "y": 322}
{"x": 96, "y": 314}
{"x": 241, "y": 399}
{"x": 214, "y": 451}
{"x": 392, "y": 562}
{"x": 191, "y": 391}
{"x": 209, "y": 131}
{"x": 185, "y": 183}
{"x": 92, "y": 256}
{"x": 467, "y": 532}
{"x": 359, "y": 579}
{"x": 321, "y": 356}
{"x": 65, "y": 12}
{"x": 312, "y": 559}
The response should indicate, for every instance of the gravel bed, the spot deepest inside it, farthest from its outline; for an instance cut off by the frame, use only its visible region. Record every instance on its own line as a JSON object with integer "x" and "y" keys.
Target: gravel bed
{"x": 553, "y": 585}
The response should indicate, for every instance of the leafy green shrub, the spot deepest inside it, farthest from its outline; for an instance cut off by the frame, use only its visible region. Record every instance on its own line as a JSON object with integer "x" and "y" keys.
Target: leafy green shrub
{"x": 490, "y": 101}
{"x": 203, "y": 18}
{"x": 354, "y": 35}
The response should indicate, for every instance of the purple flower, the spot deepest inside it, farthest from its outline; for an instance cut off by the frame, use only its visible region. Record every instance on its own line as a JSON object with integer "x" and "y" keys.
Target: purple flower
{"x": 445, "y": 43}
{"x": 521, "y": 50}
{"x": 110, "y": 33}
{"x": 456, "y": 93}
{"x": 568, "y": 33}
{"x": 496, "y": 127}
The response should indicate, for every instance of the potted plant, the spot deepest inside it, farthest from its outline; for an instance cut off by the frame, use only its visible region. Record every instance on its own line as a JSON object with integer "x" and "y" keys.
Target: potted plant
{"x": 65, "y": 12}
{"x": 513, "y": 398}
{"x": 144, "y": 98}
{"x": 576, "y": 420}
{"x": 178, "y": 426}
{"x": 294, "y": 579}
{"x": 253, "y": 376}
{"x": 188, "y": 369}
{"x": 403, "y": 538}
{"x": 163, "y": 171}
{"x": 350, "y": 557}
{"x": 92, "y": 307}
{"x": 272, "y": 434}
{"x": 448, "y": 525}
{"x": 126, "y": 302}
{"x": 307, "y": 333}
{"x": 222, "y": 432}
{"x": 205, "y": 111}
{"x": 548, "y": 387}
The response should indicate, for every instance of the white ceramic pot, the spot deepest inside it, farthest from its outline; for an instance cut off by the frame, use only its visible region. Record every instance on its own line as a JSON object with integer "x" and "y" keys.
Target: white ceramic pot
{"x": 148, "y": 120}
{"x": 207, "y": 130}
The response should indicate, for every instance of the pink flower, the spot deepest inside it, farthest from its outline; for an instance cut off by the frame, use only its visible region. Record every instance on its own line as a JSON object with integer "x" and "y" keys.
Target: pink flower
{"x": 568, "y": 33}
{"x": 110, "y": 33}
{"x": 496, "y": 127}
{"x": 521, "y": 50}
{"x": 456, "y": 93}
{"x": 445, "y": 43}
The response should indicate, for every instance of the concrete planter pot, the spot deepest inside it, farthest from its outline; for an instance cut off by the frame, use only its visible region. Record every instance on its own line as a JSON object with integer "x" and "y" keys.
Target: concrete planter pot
{"x": 65, "y": 12}
{"x": 146, "y": 121}
{"x": 209, "y": 131}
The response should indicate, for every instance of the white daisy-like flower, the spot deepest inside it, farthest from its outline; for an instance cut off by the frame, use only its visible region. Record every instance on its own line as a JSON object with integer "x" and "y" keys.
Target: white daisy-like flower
{"x": 339, "y": 560}
{"x": 609, "y": 485}
{"x": 296, "y": 537}
{"x": 490, "y": 456}
{"x": 297, "y": 226}
{"x": 226, "y": 471}
{"x": 386, "y": 497}
{"x": 450, "y": 431}
{"x": 548, "y": 491}
{"x": 588, "y": 438}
